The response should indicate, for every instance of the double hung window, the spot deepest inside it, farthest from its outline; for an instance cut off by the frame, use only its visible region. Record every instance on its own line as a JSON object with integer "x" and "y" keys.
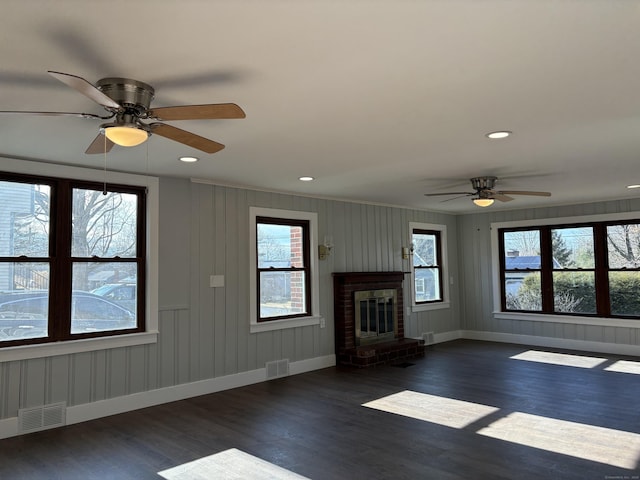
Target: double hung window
{"x": 283, "y": 276}
{"x": 64, "y": 246}
{"x": 427, "y": 266}
{"x": 428, "y": 257}
{"x": 283, "y": 268}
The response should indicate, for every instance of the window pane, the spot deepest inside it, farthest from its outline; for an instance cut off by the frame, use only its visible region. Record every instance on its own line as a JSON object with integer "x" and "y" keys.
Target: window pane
{"x": 623, "y": 246}
{"x": 104, "y": 296}
{"x": 427, "y": 285}
{"x": 103, "y": 225}
{"x": 280, "y": 246}
{"x": 24, "y": 306}
{"x": 623, "y": 291}
{"x": 424, "y": 249}
{"x": 574, "y": 292}
{"x": 522, "y": 249}
{"x": 572, "y": 247}
{"x": 26, "y": 231}
{"x": 523, "y": 291}
{"x": 282, "y": 293}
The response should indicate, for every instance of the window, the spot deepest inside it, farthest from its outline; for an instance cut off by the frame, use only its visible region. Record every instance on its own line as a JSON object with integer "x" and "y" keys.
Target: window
{"x": 284, "y": 276}
{"x": 428, "y": 266}
{"x": 588, "y": 269}
{"x": 62, "y": 242}
{"x": 283, "y": 268}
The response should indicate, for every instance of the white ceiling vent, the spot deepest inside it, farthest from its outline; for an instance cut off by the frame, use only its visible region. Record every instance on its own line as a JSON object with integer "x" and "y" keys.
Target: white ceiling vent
{"x": 42, "y": 418}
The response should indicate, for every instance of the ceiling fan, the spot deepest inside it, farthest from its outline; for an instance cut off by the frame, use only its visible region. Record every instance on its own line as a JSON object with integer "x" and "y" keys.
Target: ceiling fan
{"x": 485, "y": 194}
{"x": 128, "y": 103}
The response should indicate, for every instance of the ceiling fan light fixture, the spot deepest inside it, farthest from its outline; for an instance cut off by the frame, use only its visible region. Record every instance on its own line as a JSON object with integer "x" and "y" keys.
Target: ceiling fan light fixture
{"x": 126, "y": 136}
{"x": 483, "y": 202}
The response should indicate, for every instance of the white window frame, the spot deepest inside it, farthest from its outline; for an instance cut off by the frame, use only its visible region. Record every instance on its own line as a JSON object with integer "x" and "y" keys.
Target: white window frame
{"x": 553, "y": 318}
{"x": 24, "y": 352}
{"x": 445, "y": 302}
{"x": 312, "y": 319}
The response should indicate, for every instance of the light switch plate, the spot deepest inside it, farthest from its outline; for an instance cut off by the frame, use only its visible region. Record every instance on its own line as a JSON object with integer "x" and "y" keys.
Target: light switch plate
{"x": 216, "y": 281}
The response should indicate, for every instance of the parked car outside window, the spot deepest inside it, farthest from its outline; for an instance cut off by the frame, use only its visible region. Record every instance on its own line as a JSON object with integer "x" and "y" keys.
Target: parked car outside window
{"x": 121, "y": 293}
{"x": 25, "y": 314}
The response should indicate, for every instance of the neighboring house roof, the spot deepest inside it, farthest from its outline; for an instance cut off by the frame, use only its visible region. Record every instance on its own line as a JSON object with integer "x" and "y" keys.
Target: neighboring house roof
{"x": 524, "y": 262}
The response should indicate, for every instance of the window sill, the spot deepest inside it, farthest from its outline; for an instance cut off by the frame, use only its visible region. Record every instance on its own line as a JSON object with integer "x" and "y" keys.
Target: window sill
{"x": 282, "y": 324}
{"x": 570, "y": 319}
{"x": 430, "y": 306}
{"x": 25, "y": 352}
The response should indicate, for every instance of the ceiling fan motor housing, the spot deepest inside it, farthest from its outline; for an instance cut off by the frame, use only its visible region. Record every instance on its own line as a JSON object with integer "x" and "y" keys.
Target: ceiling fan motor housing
{"x": 133, "y": 95}
{"x": 483, "y": 183}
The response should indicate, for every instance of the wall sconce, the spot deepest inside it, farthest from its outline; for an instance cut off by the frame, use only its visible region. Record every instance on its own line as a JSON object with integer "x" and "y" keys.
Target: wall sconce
{"x": 406, "y": 251}
{"x": 324, "y": 249}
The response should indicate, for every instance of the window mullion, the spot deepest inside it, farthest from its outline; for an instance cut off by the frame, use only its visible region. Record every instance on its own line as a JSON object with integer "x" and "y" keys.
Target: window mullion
{"x": 60, "y": 287}
{"x": 546, "y": 269}
{"x": 603, "y": 300}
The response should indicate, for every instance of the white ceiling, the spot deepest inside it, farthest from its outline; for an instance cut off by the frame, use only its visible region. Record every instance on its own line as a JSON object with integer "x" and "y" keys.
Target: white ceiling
{"x": 381, "y": 100}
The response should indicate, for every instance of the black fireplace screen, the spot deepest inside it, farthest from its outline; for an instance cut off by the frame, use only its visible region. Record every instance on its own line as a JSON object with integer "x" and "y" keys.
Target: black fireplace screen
{"x": 376, "y": 315}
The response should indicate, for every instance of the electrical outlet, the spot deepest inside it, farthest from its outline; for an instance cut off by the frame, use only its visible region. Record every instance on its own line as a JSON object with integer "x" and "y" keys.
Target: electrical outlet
{"x": 216, "y": 281}
{"x": 323, "y": 323}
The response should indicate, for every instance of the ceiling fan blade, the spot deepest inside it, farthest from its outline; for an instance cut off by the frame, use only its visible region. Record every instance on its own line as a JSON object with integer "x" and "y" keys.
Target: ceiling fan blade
{"x": 100, "y": 144}
{"x": 52, "y": 114}
{"x": 448, "y": 193}
{"x": 86, "y": 88}
{"x": 500, "y": 197}
{"x": 198, "y": 112}
{"x": 521, "y": 192}
{"x": 456, "y": 198}
{"x": 187, "y": 138}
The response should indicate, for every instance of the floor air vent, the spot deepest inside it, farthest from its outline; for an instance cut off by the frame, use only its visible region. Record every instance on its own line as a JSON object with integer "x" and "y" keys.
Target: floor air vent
{"x": 42, "y": 418}
{"x": 278, "y": 368}
{"x": 428, "y": 338}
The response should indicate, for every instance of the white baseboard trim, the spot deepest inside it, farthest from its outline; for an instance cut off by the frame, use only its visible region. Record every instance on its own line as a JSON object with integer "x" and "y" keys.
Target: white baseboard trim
{"x": 551, "y": 342}
{"x": 447, "y": 336}
{"x": 8, "y": 427}
{"x": 113, "y": 406}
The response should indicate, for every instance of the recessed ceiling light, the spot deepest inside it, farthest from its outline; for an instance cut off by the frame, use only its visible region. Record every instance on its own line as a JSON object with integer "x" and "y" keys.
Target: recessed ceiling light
{"x": 499, "y": 134}
{"x": 188, "y": 159}
{"x": 306, "y": 179}
{"x": 633, "y": 186}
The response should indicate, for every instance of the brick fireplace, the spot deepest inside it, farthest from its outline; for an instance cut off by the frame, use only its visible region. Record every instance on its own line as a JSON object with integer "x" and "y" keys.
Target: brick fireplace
{"x": 369, "y": 319}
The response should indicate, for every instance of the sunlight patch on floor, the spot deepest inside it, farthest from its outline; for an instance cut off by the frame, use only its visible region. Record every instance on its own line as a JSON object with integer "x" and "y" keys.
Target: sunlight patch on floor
{"x": 230, "y": 464}
{"x": 625, "y": 366}
{"x": 598, "y": 444}
{"x": 564, "y": 359}
{"x": 430, "y": 408}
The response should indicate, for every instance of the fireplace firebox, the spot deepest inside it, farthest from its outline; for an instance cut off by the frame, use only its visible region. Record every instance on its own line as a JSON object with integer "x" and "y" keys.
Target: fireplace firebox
{"x": 368, "y": 311}
{"x": 376, "y": 315}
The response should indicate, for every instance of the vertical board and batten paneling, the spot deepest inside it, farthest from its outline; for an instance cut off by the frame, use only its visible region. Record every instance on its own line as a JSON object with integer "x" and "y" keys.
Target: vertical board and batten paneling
{"x": 474, "y": 251}
{"x": 204, "y": 331}
{"x": 201, "y": 268}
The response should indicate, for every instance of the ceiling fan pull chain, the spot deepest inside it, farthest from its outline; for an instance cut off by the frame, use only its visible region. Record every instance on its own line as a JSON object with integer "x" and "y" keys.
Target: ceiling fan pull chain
{"x": 104, "y": 187}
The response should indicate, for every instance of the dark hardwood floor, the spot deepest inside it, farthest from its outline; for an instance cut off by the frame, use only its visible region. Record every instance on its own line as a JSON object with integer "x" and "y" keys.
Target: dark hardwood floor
{"x": 540, "y": 421}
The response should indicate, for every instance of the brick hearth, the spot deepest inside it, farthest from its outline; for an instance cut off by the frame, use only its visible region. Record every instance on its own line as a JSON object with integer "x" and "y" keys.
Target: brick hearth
{"x": 347, "y": 350}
